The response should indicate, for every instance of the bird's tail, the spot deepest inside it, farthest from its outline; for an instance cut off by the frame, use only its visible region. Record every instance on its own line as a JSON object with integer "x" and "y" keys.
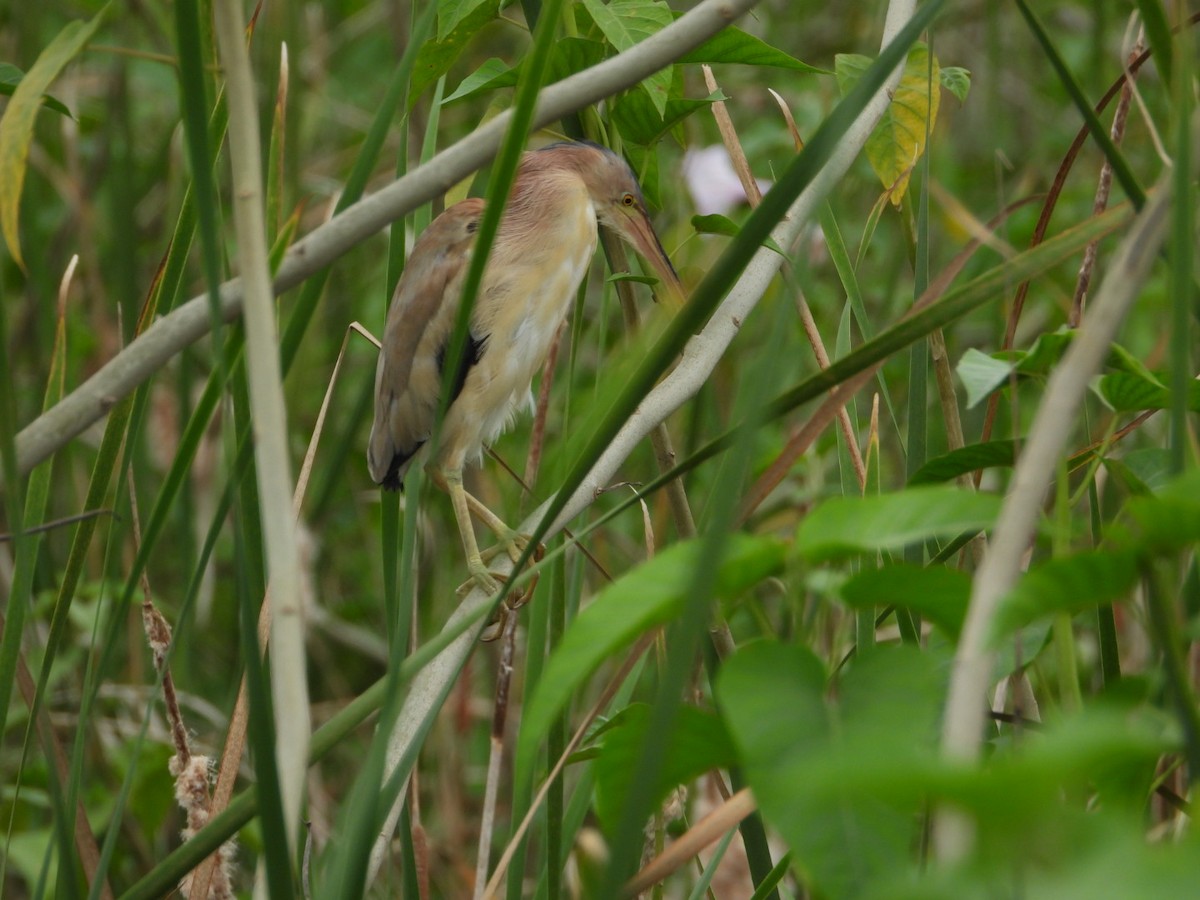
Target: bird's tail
{"x": 387, "y": 463}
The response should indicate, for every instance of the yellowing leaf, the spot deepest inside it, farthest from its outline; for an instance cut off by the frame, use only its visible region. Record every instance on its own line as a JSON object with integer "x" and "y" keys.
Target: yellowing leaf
{"x": 898, "y": 140}
{"x": 16, "y": 128}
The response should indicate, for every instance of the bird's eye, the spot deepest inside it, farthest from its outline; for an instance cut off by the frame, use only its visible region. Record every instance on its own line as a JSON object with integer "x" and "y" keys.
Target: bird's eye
{"x": 628, "y": 200}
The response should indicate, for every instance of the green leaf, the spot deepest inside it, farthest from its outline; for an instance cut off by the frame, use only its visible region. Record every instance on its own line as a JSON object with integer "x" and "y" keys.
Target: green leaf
{"x": 816, "y": 764}
{"x": 1045, "y": 353}
{"x": 646, "y": 597}
{"x": 697, "y": 744}
{"x": 989, "y": 455}
{"x": 938, "y": 593}
{"x": 898, "y": 140}
{"x": 569, "y": 55}
{"x": 844, "y": 526}
{"x": 1151, "y": 466}
{"x": 628, "y": 22}
{"x": 16, "y": 127}
{"x": 1068, "y": 584}
{"x": 10, "y": 77}
{"x": 1126, "y": 392}
{"x": 715, "y": 223}
{"x": 452, "y": 13}
{"x": 1162, "y": 523}
{"x": 436, "y": 57}
{"x": 493, "y": 73}
{"x": 957, "y": 81}
{"x": 981, "y": 374}
{"x": 734, "y": 46}
{"x": 573, "y": 54}
{"x": 1122, "y": 360}
{"x": 639, "y": 120}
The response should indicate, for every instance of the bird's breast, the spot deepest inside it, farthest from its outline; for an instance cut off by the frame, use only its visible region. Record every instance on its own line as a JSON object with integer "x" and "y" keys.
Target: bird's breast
{"x": 533, "y": 299}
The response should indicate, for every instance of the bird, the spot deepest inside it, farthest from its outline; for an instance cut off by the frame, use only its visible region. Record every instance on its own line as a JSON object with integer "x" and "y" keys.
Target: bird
{"x": 542, "y": 251}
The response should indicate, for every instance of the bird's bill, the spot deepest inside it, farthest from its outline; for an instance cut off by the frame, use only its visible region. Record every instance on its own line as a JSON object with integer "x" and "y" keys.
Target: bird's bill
{"x": 641, "y": 235}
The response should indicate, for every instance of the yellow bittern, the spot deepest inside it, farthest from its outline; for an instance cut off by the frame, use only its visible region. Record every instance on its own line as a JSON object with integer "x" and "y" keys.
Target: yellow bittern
{"x": 542, "y": 251}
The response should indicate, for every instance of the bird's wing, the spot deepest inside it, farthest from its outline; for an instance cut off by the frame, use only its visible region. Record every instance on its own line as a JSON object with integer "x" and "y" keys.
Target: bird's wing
{"x": 419, "y": 322}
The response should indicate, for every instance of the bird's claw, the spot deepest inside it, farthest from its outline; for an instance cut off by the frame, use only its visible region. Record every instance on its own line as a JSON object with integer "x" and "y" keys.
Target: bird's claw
{"x": 513, "y": 543}
{"x": 489, "y": 582}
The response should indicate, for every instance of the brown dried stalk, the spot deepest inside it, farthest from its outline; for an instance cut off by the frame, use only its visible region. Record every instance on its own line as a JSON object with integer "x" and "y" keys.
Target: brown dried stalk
{"x": 1117, "y": 132}
{"x": 190, "y": 770}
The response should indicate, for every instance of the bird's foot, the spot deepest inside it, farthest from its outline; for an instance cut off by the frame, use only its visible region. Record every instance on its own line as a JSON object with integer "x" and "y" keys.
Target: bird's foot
{"x": 482, "y": 578}
{"x": 489, "y": 582}
{"x": 514, "y": 544}
{"x": 511, "y": 542}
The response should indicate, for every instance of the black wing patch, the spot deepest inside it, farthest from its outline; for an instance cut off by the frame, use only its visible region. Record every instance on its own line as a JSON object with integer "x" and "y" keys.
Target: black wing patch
{"x": 472, "y": 354}
{"x": 394, "y": 479}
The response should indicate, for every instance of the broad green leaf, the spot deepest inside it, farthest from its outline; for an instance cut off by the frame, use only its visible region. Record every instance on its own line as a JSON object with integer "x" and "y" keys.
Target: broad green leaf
{"x": 646, "y": 597}
{"x": 493, "y": 73}
{"x": 898, "y": 140}
{"x": 569, "y": 55}
{"x": 1122, "y": 360}
{"x": 1126, "y": 476}
{"x": 1068, "y": 584}
{"x": 734, "y": 46}
{"x": 1162, "y": 523}
{"x": 844, "y": 526}
{"x": 697, "y": 744}
{"x": 938, "y": 593}
{"x": 844, "y": 775}
{"x": 990, "y": 455}
{"x": 1045, "y": 353}
{"x": 1150, "y": 466}
{"x": 628, "y": 22}
{"x": 451, "y": 13}
{"x": 1066, "y": 851}
{"x": 10, "y": 77}
{"x": 641, "y": 122}
{"x": 1098, "y": 749}
{"x": 757, "y": 682}
{"x": 715, "y": 223}
{"x": 1122, "y": 866}
{"x": 436, "y": 57}
{"x": 803, "y": 753}
{"x": 981, "y": 374}
{"x": 16, "y": 127}
{"x": 957, "y": 81}
{"x": 1126, "y": 392}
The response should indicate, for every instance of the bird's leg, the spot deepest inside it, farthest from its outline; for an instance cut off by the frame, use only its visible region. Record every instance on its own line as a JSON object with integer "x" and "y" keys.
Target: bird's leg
{"x": 511, "y": 540}
{"x": 484, "y": 579}
{"x": 481, "y": 576}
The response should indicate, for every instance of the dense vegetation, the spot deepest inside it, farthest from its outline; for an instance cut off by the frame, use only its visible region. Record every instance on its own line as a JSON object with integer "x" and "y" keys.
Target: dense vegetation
{"x": 870, "y": 573}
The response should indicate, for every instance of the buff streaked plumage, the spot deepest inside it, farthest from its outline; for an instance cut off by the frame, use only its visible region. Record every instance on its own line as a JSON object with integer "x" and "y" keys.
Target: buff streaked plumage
{"x": 543, "y": 248}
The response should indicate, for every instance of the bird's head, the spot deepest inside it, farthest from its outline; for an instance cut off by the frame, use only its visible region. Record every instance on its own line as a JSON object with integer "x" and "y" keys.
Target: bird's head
{"x": 620, "y": 206}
